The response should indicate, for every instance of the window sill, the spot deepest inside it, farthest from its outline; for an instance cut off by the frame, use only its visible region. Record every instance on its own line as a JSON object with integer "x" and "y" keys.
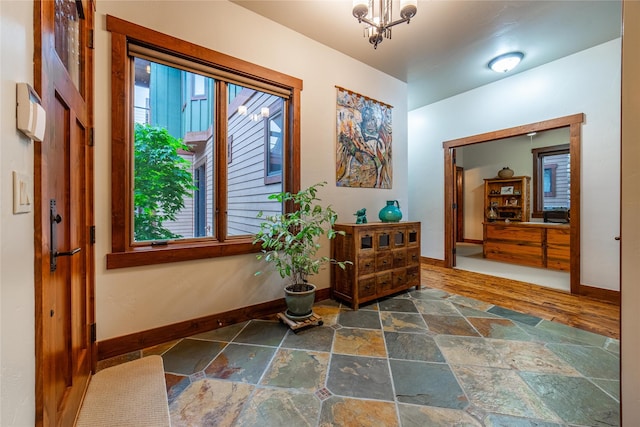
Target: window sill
{"x": 147, "y": 255}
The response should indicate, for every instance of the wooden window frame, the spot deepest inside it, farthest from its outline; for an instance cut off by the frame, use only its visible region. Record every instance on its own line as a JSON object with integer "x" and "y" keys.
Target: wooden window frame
{"x": 537, "y": 183}
{"x": 123, "y": 253}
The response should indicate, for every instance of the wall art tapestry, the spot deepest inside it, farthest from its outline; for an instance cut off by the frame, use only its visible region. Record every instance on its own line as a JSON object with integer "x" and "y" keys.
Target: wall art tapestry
{"x": 363, "y": 148}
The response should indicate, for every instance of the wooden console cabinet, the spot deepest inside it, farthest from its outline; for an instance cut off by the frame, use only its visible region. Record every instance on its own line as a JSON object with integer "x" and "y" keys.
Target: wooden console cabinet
{"x": 534, "y": 244}
{"x": 385, "y": 256}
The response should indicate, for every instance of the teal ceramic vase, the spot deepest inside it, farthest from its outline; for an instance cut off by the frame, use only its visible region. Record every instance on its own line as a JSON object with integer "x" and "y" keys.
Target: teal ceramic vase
{"x": 391, "y": 212}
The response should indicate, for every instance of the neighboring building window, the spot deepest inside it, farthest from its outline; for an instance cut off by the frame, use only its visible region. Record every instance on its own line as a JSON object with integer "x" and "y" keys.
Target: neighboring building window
{"x": 551, "y": 179}
{"x": 176, "y": 193}
{"x": 198, "y": 86}
{"x": 273, "y": 136}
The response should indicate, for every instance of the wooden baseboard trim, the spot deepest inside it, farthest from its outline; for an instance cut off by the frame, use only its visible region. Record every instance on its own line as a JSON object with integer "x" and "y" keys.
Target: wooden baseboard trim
{"x": 432, "y": 261}
{"x": 600, "y": 294}
{"x": 137, "y": 341}
{"x": 475, "y": 241}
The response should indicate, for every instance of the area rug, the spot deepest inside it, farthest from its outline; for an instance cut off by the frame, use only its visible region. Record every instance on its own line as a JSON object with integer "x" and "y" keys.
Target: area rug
{"x": 132, "y": 394}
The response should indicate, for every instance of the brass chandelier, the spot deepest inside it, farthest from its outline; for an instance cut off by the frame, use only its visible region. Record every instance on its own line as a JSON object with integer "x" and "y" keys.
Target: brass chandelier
{"x": 380, "y": 20}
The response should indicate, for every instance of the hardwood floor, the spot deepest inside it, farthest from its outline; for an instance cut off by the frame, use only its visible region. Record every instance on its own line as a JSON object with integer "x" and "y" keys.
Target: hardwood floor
{"x": 586, "y": 313}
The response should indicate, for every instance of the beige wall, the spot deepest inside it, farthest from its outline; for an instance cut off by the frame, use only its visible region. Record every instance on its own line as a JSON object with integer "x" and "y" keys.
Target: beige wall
{"x": 630, "y": 206}
{"x": 136, "y": 299}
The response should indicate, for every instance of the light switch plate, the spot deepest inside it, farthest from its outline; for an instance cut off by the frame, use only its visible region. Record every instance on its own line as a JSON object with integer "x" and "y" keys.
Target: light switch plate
{"x": 22, "y": 193}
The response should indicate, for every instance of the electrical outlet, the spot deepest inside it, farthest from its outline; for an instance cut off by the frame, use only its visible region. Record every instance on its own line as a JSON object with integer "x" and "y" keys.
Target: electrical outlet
{"x": 22, "y": 193}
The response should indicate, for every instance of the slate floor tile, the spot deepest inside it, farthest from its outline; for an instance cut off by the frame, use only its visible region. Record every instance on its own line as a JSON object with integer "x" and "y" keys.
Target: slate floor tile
{"x": 590, "y": 361}
{"x": 412, "y": 347}
{"x": 404, "y": 305}
{"x": 429, "y": 384}
{"x": 278, "y": 408}
{"x": 584, "y": 337}
{"x": 402, "y": 322}
{"x": 209, "y": 402}
{"x": 342, "y": 411}
{"x": 575, "y": 399}
{"x": 319, "y": 339}
{"x": 190, "y": 356}
{"x": 449, "y": 325}
{"x": 514, "y": 315}
{"x": 439, "y": 307}
{"x": 361, "y": 377}
{"x": 360, "y": 319}
{"x": 303, "y": 370}
{"x": 421, "y": 416}
{"x": 428, "y": 293}
{"x": 226, "y": 333}
{"x": 359, "y": 342}
{"x": 502, "y": 391}
{"x": 532, "y": 357}
{"x": 469, "y": 351}
{"x": 262, "y": 332}
{"x": 241, "y": 362}
{"x": 498, "y": 328}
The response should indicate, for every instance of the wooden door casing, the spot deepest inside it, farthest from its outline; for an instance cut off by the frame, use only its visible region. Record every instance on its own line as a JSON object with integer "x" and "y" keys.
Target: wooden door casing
{"x": 63, "y": 184}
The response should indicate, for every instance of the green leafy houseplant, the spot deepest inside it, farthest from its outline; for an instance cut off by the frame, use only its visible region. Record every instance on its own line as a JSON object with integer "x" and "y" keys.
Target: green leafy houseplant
{"x": 290, "y": 240}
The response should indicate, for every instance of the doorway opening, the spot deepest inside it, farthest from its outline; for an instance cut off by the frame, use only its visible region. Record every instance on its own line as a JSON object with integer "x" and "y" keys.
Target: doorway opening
{"x": 573, "y": 123}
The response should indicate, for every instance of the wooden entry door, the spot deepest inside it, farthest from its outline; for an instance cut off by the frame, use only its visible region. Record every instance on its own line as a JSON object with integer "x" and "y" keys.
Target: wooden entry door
{"x": 63, "y": 188}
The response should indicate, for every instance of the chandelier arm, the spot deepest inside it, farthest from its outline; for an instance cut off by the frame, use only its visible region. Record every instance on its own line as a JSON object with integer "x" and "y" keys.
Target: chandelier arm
{"x": 399, "y": 21}
{"x": 368, "y": 21}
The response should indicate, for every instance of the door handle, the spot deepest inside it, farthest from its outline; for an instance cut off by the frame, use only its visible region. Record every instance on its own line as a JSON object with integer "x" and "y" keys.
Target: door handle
{"x": 68, "y": 253}
{"x": 56, "y": 219}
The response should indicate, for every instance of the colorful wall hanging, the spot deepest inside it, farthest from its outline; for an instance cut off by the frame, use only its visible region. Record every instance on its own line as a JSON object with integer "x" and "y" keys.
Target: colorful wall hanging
{"x": 363, "y": 135}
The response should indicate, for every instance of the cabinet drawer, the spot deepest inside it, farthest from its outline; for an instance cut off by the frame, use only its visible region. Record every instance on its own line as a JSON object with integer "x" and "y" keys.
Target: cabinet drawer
{"x": 366, "y": 265}
{"x": 365, "y": 241}
{"x": 366, "y": 287}
{"x": 384, "y": 282}
{"x": 383, "y": 240}
{"x": 413, "y": 276}
{"x": 413, "y": 256}
{"x": 514, "y": 233}
{"x": 399, "y": 278}
{"x": 399, "y": 258}
{"x": 384, "y": 261}
{"x": 515, "y": 253}
{"x": 558, "y": 237}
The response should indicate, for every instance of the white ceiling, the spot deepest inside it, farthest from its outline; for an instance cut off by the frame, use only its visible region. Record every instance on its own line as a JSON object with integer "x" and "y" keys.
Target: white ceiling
{"x": 445, "y": 49}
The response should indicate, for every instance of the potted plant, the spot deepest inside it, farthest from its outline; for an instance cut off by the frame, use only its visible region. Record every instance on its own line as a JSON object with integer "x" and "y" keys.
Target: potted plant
{"x": 290, "y": 243}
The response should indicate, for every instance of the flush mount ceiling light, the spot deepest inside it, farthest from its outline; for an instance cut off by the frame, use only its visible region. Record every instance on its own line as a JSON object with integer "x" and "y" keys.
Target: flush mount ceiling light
{"x": 505, "y": 63}
{"x": 379, "y": 19}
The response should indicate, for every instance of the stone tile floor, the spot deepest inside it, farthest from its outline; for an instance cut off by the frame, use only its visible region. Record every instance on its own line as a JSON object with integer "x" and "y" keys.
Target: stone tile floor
{"x": 421, "y": 358}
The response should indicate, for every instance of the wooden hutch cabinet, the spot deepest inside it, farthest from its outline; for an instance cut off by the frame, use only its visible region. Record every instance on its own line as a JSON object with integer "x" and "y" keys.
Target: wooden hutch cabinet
{"x": 385, "y": 256}
{"x": 509, "y": 198}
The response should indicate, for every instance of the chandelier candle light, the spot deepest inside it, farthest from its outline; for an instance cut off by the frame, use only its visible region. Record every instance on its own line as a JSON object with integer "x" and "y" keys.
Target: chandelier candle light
{"x": 379, "y": 21}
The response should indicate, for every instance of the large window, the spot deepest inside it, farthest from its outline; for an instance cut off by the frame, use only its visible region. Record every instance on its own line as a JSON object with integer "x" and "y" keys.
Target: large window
{"x": 551, "y": 179}
{"x": 188, "y": 156}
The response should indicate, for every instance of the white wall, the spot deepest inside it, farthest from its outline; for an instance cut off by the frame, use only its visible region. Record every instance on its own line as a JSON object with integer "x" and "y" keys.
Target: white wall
{"x": 17, "y": 347}
{"x": 135, "y": 299}
{"x": 587, "y": 82}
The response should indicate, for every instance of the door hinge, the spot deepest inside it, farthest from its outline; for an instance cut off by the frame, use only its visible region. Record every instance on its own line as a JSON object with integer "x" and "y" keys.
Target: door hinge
{"x": 90, "y": 39}
{"x": 92, "y": 235}
{"x": 90, "y": 142}
{"x": 453, "y": 251}
{"x": 454, "y": 206}
{"x": 92, "y": 332}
